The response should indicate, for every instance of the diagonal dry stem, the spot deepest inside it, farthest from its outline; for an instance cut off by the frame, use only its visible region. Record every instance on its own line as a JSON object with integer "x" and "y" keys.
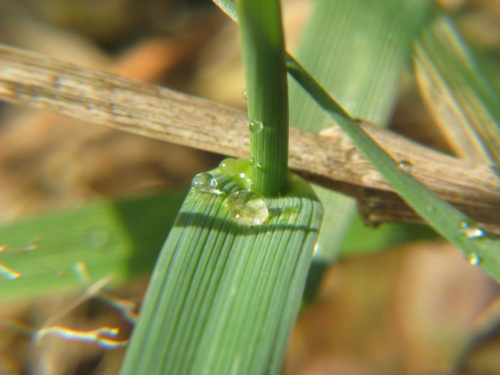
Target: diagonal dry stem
{"x": 331, "y": 159}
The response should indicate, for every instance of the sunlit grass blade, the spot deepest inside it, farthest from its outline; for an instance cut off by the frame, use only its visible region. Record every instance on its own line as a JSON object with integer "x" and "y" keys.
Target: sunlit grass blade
{"x": 357, "y": 50}
{"x": 110, "y": 237}
{"x": 478, "y": 246}
{"x": 227, "y": 286}
{"x": 462, "y": 101}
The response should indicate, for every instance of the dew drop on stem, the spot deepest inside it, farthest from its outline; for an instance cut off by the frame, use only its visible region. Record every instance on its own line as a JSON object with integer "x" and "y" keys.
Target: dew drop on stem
{"x": 228, "y": 166}
{"x": 256, "y": 126}
{"x": 405, "y": 166}
{"x": 470, "y": 229}
{"x": 244, "y": 95}
{"x": 473, "y": 258}
{"x": 253, "y": 162}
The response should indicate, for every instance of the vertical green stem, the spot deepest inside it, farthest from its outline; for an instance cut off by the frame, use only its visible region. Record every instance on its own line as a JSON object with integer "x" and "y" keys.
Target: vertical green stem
{"x": 267, "y": 93}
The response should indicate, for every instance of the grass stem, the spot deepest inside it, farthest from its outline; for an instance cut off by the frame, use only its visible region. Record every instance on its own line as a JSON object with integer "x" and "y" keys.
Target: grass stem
{"x": 267, "y": 93}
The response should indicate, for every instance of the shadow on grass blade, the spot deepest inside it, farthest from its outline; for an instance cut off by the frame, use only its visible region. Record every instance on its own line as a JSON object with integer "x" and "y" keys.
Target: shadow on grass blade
{"x": 225, "y": 292}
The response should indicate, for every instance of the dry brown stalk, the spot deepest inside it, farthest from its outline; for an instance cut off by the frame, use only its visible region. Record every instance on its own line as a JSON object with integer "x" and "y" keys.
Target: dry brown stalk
{"x": 329, "y": 159}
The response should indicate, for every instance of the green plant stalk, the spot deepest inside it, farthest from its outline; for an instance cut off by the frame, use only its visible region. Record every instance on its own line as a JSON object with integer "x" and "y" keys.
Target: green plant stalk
{"x": 267, "y": 93}
{"x": 479, "y": 247}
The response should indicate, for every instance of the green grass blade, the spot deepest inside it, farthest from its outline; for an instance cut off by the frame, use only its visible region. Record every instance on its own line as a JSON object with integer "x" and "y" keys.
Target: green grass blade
{"x": 119, "y": 238}
{"x": 224, "y": 296}
{"x": 462, "y": 101}
{"x": 267, "y": 93}
{"x": 479, "y": 247}
{"x": 357, "y": 50}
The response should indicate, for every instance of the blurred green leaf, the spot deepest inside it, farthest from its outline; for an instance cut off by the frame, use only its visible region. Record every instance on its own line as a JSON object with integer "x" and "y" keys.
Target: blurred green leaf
{"x": 120, "y": 238}
{"x": 357, "y": 50}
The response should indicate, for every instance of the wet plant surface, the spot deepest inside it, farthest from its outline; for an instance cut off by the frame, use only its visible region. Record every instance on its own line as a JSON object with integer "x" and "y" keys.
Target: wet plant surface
{"x": 412, "y": 309}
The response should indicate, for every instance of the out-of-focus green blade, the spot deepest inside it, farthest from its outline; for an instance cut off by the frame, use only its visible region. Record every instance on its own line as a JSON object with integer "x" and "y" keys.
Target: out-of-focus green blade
{"x": 462, "y": 101}
{"x": 224, "y": 295}
{"x": 118, "y": 238}
{"x": 357, "y": 50}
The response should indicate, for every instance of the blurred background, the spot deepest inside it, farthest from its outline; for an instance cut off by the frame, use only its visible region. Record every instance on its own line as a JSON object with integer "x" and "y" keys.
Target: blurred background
{"x": 417, "y": 308}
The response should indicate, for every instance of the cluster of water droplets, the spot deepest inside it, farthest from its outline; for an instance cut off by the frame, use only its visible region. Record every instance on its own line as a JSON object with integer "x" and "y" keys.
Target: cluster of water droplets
{"x": 471, "y": 230}
{"x": 246, "y": 208}
{"x": 253, "y": 162}
{"x": 238, "y": 170}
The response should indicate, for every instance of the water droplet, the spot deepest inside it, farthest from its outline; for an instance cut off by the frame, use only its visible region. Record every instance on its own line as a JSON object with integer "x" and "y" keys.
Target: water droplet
{"x": 244, "y": 181}
{"x": 473, "y": 233}
{"x": 204, "y": 182}
{"x": 254, "y": 163}
{"x": 431, "y": 208}
{"x": 244, "y": 95}
{"x": 228, "y": 166}
{"x": 405, "y": 166}
{"x": 473, "y": 258}
{"x": 470, "y": 229}
{"x": 247, "y": 208}
{"x": 256, "y": 126}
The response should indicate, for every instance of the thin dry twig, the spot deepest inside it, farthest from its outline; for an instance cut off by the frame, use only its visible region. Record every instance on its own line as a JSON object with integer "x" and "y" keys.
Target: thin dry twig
{"x": 329, "y": 159}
